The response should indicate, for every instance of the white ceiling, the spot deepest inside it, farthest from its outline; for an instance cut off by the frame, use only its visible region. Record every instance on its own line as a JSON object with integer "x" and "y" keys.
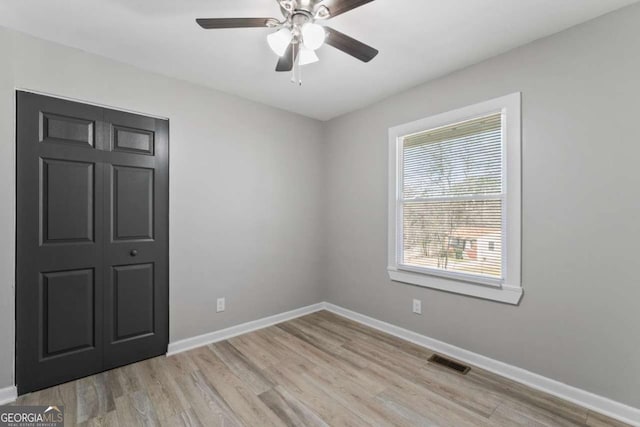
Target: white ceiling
{"x": 418, "y": 41}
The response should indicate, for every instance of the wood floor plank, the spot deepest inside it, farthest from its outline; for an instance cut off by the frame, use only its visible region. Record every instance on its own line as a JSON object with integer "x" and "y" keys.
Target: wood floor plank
{"x": 242, "y": 367}
{"x": 186, "y": 418}
{"x": 406, "y": 392}
{"x": 450, "y": 385}
{"x": 334, "y": 413}
{"x": 94, "y": 398}
{"x": 518, "y": 414}
{"x": 262, "y": 353}
{"x": 383, "y": 353}
{"x": 520, "y": 395}
{"x": 67, "y": 393}
{"x": 354, "y": 330}
{"x": 289, "y": 409}
{"x": 113, "y": 383}
{"x": 337, "y": 333}
{"x": 375, "y": 335}
{"x": 505, "y": 416}
{"x": 161, "y": 394}
{"x": 310, "y": 336}
{"x": 168, "y": 380}
{"x": 207, "y": 403}
{"x": 245, "y": 404}
{"x": 136, "y": 409}
{"x": 319, "y": 335}
{"x": 433, "y": 409}
{"x": 110, "y": 419}
{"x": 411, "y": 416}
{"x": 459, "y": 389}
{"x": 317, "y": 370}
{"x": 306, "y": 350}
{"x": 162, "y": 388}
{"x": 330, "y": 360}
{"x": 128, "y": 379}
{"x": 360, "y": 401}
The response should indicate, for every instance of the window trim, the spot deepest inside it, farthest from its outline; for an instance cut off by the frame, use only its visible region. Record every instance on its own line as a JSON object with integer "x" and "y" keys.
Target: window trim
{"x": 508, "y": 289}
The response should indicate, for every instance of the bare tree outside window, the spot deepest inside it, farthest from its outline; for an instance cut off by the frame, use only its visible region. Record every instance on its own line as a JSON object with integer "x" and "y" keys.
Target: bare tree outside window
{"x": 452, "y": 198}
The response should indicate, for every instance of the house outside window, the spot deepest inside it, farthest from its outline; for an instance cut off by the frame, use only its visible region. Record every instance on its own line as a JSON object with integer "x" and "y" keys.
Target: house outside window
{"x": 454, "y": 201}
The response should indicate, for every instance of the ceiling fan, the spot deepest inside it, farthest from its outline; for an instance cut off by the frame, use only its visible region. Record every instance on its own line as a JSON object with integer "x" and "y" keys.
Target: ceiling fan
{"x": 298, "y": 36}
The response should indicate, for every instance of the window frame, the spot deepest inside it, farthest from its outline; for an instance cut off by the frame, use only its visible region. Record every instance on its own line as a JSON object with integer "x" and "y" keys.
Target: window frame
{"x": 508, "y": 289}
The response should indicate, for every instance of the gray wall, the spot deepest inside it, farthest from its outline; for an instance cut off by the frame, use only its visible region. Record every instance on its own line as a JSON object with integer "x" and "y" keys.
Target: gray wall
{"x": 579, "y": 321}
{"x": 245, "y": 188}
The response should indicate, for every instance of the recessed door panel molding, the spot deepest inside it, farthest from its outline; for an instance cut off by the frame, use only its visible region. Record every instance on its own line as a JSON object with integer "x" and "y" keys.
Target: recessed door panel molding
{"x": 137, "y": 141}
{"x": 92, "y": 240}
{"x": 133, "y": 205}
{"x": 68, "y": 311}
{"x": 67, "y": 189}
{"x": 133, "y": 301}
{"x": 67, "y": 130}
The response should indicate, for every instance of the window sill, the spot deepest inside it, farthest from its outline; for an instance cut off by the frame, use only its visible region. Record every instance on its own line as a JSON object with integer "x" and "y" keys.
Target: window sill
{"x": 505, "y": 294}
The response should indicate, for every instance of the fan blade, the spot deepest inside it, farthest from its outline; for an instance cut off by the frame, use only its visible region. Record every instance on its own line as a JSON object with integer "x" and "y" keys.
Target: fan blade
{"x": 350, "y": 45}
{"x": 214, "y": 23}
{"x": 285, "y": 63}
{"x": 338, "y": 7}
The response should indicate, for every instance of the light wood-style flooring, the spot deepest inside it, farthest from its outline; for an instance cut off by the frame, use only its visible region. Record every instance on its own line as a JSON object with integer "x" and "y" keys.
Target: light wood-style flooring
{"x": 317, "y": 370}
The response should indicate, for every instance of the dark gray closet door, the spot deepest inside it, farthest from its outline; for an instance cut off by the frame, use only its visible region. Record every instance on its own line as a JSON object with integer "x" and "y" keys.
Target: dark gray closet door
{"x": 60, "y": 241}
{"x": 92, "y": 188}
{"x": 136, "y": 243}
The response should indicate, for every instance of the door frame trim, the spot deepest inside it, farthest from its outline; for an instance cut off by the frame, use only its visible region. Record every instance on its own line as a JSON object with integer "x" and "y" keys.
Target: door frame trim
{"x": 84, "y": 101}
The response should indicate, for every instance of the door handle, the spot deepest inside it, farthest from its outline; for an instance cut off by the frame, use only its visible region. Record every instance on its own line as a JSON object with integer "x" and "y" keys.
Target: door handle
{"x": 133, "y": 252}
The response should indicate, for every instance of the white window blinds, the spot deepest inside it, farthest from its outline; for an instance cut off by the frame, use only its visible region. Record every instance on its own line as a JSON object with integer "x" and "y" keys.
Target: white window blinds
{"x": 451, "y": 199}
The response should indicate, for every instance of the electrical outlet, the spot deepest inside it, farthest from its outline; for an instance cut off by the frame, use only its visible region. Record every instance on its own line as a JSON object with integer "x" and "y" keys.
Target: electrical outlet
{"x": 221, "y": 305}
{"x": 417, "y": 306}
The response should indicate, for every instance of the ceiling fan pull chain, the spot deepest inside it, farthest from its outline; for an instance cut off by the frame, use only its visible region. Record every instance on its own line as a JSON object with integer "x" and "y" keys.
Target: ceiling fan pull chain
{"x": 296, "y": 75}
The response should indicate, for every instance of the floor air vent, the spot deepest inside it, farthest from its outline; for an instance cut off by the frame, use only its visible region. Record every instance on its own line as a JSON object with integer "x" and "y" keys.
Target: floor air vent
{"x": 448, "y": 363}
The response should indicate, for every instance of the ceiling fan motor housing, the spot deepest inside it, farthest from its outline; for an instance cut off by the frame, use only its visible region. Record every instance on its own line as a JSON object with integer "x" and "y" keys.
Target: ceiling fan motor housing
{"x": 299, "y": 17}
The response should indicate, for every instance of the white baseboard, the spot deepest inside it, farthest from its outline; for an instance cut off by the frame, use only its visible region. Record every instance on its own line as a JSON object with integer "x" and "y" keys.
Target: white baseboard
{"x": 602, "y": 405}
{"x": 223, "y": 334}
{"x": 8, "y": 395}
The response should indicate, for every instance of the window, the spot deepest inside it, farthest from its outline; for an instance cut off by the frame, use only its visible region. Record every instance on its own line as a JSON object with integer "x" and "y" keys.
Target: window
{"x": 454, "y": 201}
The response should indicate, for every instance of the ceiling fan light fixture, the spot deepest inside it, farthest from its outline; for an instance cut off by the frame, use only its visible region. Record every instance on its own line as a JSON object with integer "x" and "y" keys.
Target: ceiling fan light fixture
{"x": 307, "y": 56}
{"x": 313, "y": 35}
{"x": 279, "y": 41}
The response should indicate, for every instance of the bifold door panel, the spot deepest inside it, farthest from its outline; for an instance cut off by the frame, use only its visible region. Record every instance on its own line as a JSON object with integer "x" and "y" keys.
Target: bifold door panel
{"x": 92, "y": 240}
{"x": 67, "y": 130}
{"x": 133, "y": 304}
{"x": 133, "y": 140}
{"x": 132, "y": 193}
{"x": 68, "y": 192}
{"x": 68, "y": 299}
